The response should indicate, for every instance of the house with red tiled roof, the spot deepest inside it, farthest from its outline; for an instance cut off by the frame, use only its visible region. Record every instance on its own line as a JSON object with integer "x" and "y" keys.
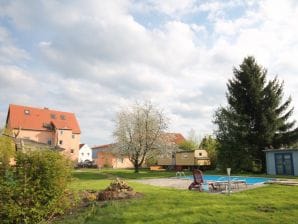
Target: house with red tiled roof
{"x": 173, "y": 157}
{"x": 170, "y": 147}
{"x": 175, "y": 138}
{"x": 45, "y": 126}
{"x": 104, "y": 156}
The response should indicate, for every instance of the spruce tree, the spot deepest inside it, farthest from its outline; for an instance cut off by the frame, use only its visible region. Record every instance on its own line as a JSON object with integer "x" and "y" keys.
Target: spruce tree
{"x": 256, "y": 117}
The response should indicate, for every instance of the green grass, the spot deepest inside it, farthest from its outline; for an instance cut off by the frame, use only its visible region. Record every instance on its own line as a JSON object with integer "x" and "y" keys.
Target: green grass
{"x": 270, "y": 204}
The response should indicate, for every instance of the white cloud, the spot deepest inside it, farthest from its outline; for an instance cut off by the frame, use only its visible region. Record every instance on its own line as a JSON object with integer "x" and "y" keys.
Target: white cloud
{"x": 8, "y": 51}
{"x": 94, "y": 57}
{"x": 172, "y": 8}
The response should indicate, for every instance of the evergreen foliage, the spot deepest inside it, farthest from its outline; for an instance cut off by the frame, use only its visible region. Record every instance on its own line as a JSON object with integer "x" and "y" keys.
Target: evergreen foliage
{"x": 256, "y": 117}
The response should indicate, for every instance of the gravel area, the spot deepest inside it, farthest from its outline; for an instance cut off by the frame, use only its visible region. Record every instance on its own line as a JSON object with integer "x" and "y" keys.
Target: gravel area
{"x": 289, "y": 182}
{"x": 167, "y": 182}
{"x": 184, "y": 183}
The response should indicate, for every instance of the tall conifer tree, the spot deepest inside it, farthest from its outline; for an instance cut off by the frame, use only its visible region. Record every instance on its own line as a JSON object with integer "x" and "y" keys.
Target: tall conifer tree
{"x": 256, "y": 117}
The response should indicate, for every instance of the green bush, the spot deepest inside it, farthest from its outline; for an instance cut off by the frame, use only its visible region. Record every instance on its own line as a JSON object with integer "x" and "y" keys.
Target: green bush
{"x": 35, "y": 188}
{"x": 7, "y": 150}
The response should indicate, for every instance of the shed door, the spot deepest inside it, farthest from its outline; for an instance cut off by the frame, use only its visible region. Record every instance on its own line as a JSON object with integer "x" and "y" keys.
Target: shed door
{"x": 284, "y": 164}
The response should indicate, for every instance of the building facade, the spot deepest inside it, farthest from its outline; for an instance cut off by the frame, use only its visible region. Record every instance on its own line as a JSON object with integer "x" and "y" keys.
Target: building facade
{"x": 85, "y": 153}
{"x": 282, "y": 162}
{"x": 106, "y": 158}
{"x": 171, "y": 146}
{"x": 42, "y": 125}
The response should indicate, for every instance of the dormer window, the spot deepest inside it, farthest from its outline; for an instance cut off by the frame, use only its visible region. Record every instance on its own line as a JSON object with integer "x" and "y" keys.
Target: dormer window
{"x": 27, "y": 112}
{"x": 62, "y": 116}
{"x": 48, "y": 126}
{"x": 53, "y": 116}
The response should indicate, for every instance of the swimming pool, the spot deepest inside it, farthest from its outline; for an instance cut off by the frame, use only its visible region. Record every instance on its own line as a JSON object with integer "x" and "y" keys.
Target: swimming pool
{"x": 249, "y": 180}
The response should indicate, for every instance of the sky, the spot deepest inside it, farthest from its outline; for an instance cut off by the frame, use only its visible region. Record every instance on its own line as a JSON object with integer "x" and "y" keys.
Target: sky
{"x": 96, "y": 58}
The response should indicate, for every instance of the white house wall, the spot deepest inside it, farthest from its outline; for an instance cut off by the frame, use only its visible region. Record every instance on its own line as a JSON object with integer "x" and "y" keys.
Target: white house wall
{"x": 85, "y": 153}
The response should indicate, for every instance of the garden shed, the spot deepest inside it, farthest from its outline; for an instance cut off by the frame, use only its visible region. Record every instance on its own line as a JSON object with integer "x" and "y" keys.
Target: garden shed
{"x": 282, "y": 161}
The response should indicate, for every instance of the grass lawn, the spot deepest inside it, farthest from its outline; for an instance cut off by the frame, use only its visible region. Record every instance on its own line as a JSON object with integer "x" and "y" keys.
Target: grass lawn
{"x": 269, "y": 204}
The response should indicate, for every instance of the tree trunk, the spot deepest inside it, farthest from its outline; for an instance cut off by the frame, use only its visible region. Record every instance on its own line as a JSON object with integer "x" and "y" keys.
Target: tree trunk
{"x": 136, "y": 166}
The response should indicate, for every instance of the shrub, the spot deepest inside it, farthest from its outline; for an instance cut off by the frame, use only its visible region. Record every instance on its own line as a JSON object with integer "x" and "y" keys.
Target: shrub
{"x": 7, "y": 150}
{"x": 35, "y": 188}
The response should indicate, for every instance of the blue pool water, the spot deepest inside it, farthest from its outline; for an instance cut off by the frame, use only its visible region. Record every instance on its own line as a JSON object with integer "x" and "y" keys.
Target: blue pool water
{"x": 249, "y": 180}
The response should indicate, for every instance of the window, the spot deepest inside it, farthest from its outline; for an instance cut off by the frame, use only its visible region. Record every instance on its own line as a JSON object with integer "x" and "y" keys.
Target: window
{"x": 200, "y": 154}
{"x": 49, "y": 142}
{"x": 88, "y": 154}
{"x": 53, "y": 116}
{"x": 71, "y": 151}
{"x": 61, "y": 132}
{"x": 62, "y": 116}
{"x": 82, "y": 154}
{"x": 27, "y": 112}
{"x": 60, "y": 142}
{"x": 73, "y": 136}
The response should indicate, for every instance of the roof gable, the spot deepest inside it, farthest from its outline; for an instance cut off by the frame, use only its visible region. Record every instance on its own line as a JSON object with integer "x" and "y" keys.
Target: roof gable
{"x": 176, "y": 138}
{"x": 31, "y": 118}
{"x": 106, "y": 146}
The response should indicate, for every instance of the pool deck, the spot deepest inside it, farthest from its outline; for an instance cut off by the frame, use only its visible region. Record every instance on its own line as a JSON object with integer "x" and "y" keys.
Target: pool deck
{"x": 288, "y": 182}
{"x": 183, "y": 184}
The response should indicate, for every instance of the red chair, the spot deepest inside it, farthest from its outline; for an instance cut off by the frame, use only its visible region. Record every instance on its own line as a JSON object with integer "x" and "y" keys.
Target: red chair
{"x": 198, "y": 180}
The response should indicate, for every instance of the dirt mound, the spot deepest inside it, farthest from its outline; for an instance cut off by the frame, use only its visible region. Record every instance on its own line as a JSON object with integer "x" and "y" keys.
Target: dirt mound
{"x": 118, "y": 189}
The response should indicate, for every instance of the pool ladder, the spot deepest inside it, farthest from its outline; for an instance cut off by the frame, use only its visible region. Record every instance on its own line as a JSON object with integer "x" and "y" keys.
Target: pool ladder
{"x": 180, "y": 174}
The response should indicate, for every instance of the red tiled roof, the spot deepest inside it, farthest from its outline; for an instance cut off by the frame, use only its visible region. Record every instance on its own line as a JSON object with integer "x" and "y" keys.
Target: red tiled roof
{"x": 81, "y": 145}
{"x": 102, "y": 146}
{"x": 176, "y": 138}
{"x": 38, "y": 117}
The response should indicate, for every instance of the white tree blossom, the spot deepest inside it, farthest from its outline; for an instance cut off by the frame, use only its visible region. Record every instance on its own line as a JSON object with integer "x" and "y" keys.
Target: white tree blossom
{"x": 138, "y": 132}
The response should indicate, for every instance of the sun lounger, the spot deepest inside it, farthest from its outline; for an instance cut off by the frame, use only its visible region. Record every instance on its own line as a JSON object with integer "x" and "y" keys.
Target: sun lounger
{"x": 198, "y": 180}
{"x": 237, "y": 182}
{"x": 222, "y": 184}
